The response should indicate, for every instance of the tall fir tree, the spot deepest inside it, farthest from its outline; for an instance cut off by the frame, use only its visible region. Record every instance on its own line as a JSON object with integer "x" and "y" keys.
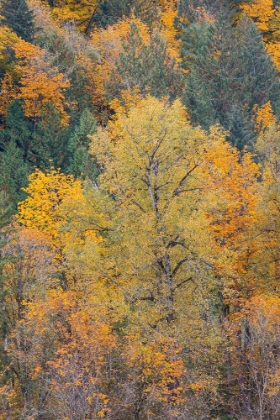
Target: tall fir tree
{"x": 109, "y": 11}
{"x": 14, "y": 173}
{"x": 148, "y": 68}
{"x": 18, "y": 129}
{"x": 81, "y": 163}
{"x": 49, "y": 142}
{"x": 17, "y": 15}
{"x": 230, "y": 73}
{"x": 193, "y": 10}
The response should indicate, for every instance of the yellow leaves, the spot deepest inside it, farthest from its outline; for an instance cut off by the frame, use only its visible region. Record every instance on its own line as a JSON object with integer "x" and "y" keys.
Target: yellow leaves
{"x": 261, "y": 11}
{"x": 169, "y": 31}
{"x": 265, "y": 116}
{"x": 41, "y": 208}
{"x": 160, "y": 368}
{"x": 267, "y": 18}
{"x": 267, "y": 306}
{"x": 268, "y": 146}
{"x": 8, "y": 93}
{"x": 7, "y": 40}
{"x": 274, "y": 49}
{"x": 129, "y": 143}
{"x": 38, "y": 89}
{"x": 129, "y": 99}
{"x": 75, "y": 11}
{"x": 72, "y": 219}
{"x": 199, "y": 386}
{"x": 26, "y": 51}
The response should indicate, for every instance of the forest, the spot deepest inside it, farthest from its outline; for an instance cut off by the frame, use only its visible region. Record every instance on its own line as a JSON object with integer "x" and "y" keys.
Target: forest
{"x": 139, "y": 209}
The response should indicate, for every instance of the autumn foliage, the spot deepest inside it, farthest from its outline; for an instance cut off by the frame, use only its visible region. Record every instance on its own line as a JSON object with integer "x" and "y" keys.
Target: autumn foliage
{"x": 139, "y": 210}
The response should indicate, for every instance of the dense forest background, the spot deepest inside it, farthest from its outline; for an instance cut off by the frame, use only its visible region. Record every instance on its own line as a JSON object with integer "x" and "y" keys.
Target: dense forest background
{"x": 139, "y": 210}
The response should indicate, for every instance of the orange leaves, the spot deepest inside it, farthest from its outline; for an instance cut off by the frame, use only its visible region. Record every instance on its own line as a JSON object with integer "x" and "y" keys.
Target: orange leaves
{"x": 31, "y": 78}
{"x": 38, "y": 89}
{"x": 157, "y": 370}
{"x": 234, "y": 195}
{"x": 81, "y": 358}
{"x": 40, "y": 84}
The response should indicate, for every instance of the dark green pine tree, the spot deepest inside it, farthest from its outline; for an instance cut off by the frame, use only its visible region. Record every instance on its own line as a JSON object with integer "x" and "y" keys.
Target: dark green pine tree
{"x": 15, "y": 141}
{"x": 49, "y": 143}
{"x": 110, "y": 11}
{"x": 17, "y": 15}
{"x": 14, "y": 173}
{"x": 81, "y": 163}
{"x": 192, "y": 9}
{"x": 229, "y": 75}
{"x": 18, "y": 129}
{"x": 149, "y": 68}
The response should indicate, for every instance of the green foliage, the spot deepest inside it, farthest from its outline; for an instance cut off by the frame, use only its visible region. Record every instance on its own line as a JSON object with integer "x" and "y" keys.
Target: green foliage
{"x": 193, "y": 10}
{"x": 16, "y": 15}
{"x": 229, "y": 75}
{"x": 18, "y": 129}
{"x": 13, "y": 172}
{"x": 81, "y": 164}
{"x": 148, "y": 68}
{"x": 109, "y": 11}
{"x": 49, "y": 143}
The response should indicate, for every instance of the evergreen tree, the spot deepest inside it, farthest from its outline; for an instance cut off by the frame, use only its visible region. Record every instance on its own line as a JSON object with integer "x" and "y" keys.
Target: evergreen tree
{"x": 149, "y": 68}
{"x": 78, "y": 92}
{"x": 18, "y": 129}
{"x": 109, "y": 11}
{"x": 16, "y": 15}
{"x": 230, "y": 73}
{"x": 81, "y": 163}
{"x": 49, "y": 144}
{"x": 192, "y": 10}
{"x": 241, "y": 127}
{"x": 13, "y": 173}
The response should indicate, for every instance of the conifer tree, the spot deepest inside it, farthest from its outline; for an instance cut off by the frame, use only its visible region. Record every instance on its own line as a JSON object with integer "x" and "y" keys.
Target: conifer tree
{"x": 18, "y": 129}
{"x": 109, "y": 11}
{"x": 15, "y": 142}
{"x": 230, "y": 73}
{"x": 49, "y": 143}
{"x": 16, "y": 15}
{"x": 192, "y": 10}
{"x": 148, "y": 68}
{"x": 13, "y": 173}
{"x": 81, "y": 164}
